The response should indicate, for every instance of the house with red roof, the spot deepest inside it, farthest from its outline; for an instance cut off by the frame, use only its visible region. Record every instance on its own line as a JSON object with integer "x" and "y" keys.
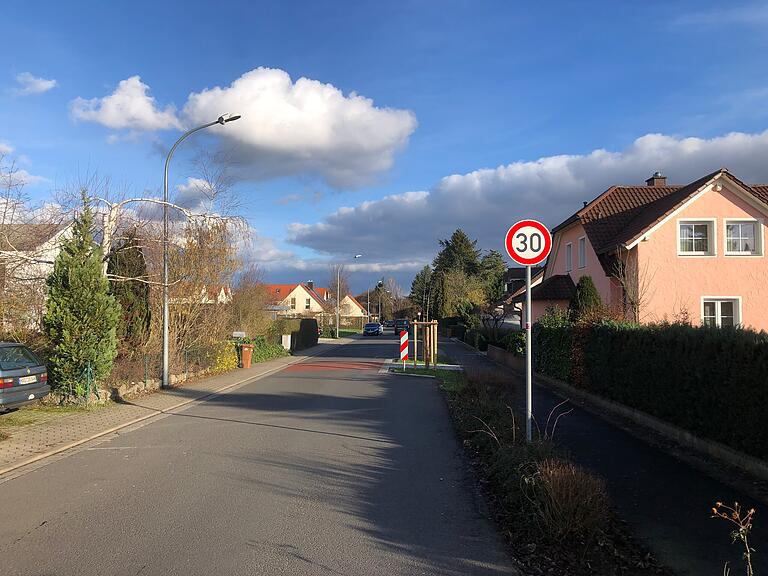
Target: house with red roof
{"x": 306, "y": 299}
{"x": 659, "y": 251}
{"x": 299, "y": 299}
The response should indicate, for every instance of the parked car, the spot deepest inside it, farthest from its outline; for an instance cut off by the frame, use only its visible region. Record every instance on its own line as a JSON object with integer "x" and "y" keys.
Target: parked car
{"x": 23, "y": 376}
{"x": 401, "y": 324}
{"x": 389, "y": 323}
{"x": 373, "y": 329}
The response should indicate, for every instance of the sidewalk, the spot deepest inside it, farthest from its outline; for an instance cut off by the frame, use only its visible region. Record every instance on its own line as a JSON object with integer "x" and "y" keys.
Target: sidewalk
{"x": 666, "y": 502}
{"x": 28, "y": 444}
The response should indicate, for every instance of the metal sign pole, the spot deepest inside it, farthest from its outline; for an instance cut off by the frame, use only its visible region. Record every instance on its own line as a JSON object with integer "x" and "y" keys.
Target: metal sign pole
{"x": 528, "y": 344}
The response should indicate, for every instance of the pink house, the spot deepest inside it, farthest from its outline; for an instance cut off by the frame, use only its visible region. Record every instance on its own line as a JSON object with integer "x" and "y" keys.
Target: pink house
{"x": 660, "y": 252}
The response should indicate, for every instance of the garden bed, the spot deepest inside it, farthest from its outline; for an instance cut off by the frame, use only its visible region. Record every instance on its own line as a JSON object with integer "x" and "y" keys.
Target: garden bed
{"x": 555, "y": 516}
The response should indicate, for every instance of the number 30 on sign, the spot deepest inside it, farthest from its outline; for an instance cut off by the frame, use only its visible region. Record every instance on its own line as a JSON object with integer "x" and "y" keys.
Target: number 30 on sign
{"x": 528, "y": 242}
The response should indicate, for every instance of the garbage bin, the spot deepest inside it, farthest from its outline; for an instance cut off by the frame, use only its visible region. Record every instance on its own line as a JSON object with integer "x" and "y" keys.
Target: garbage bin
{"x": 246, "y": 353}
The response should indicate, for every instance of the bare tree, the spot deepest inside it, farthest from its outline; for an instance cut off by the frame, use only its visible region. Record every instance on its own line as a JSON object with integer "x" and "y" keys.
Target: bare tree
{"x": 337, "y": 272}
{"x": 635, "y": 281}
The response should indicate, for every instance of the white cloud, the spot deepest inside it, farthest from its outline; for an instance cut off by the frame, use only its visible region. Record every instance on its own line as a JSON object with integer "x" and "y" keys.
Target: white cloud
{"x": 129, "y": 107}
{"x": 21, "y": 178}
{"x": 303, "y": 127}
{"x": 287, "y": 128}
{"x": 33, "y": 85}
{"x": 5, "y": 148}
{"x": 405, "y": 228}
{"x": 195, "y": 195}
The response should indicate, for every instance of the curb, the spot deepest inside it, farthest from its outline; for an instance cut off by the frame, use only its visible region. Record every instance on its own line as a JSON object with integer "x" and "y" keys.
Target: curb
{"x": 153, "y": 414}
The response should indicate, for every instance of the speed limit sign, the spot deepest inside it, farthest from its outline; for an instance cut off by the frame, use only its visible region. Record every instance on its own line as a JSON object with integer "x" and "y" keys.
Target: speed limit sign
{"x": 528, "y": 242}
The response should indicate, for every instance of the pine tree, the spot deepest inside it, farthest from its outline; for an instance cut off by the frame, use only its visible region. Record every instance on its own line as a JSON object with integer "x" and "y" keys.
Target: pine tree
{"x": 585, "y": 299}
{"x": 81, "y": 315}
{"x": 420, "y": 288}
{"x": 127, "y": 261}
{"x": 492, "y": 270}
{"x": 458, "y": 253}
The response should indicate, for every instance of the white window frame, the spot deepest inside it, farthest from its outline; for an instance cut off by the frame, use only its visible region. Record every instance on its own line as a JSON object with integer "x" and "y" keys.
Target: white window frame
{"x": 569, "y": 256}
{"x": 759, "y": 236}
{"x": 293, "y": 303}
{"x": 307, "y": 304}
{"x": 718, "y": 299}
{"x": 712, "y": 224}
{"x": 583, "y": 252}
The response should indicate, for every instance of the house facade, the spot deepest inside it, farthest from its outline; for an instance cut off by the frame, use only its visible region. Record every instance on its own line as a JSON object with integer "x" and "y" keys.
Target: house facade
{"x": 27, "y": 255}
{"x": 298, "y": 299}
{"x": 659, "y": 252}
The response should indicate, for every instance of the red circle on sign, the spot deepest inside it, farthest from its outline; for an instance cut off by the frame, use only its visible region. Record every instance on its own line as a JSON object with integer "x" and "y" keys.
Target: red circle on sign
{"x": 539, "y": 258}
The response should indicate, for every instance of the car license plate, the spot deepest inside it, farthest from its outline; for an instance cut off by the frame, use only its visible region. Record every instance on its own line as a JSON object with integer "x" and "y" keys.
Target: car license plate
{"x": 27, "y": 379}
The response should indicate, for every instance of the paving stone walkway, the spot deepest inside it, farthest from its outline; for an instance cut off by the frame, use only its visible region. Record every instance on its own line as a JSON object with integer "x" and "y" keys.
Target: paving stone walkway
{"x": 51, "y": 435}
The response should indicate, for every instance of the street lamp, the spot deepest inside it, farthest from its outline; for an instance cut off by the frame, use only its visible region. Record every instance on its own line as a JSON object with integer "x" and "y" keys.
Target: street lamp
{"x": 338, "y": 293}
{"x": 221, "y": 120}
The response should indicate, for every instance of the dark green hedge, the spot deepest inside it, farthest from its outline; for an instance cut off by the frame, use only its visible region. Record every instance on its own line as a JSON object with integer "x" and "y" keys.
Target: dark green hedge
{"x": 552, "y": 349}
{"x": 303, "y": 333}
{"x": 712, "y": 382}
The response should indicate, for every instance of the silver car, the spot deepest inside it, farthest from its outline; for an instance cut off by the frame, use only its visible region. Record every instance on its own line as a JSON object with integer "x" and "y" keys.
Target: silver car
{"x": 23, "y": 376}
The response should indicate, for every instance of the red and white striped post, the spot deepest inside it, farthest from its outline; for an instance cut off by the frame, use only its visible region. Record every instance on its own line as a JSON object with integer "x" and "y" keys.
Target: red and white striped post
{"x": 404, "y": 347}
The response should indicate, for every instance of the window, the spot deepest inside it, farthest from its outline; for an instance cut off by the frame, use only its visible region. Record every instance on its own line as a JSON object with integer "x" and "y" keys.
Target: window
{"x": 307, "y": 304}
{"x": 568, "y": 257}
{"x": 721, "y": 312}
{"x": 582, "y": 252}
{"x": 742, "y": 238}
{"x": 293, "y": 303}
{"x": 697, "y": 238}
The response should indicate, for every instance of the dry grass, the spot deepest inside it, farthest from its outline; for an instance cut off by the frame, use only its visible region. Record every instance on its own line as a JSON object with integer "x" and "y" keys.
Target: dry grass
{"x": 568, "y": 501}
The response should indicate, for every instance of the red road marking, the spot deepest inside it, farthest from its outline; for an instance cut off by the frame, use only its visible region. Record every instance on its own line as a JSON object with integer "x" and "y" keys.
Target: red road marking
{"x": 322, "y": 366}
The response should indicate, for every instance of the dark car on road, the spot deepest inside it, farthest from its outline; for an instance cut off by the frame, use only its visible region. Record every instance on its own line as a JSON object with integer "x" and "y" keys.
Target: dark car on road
{"x": 401, "y": 324}
{"x": 389, "y": 323}
{"x": 23, "y": 376}
{"x": 373, "y": 329}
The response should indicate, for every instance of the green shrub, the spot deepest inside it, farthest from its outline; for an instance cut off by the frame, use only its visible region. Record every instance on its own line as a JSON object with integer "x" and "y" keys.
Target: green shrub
{"x": 586, "y": 298}
{"x": 514, "y": 342}
{"x": 552, "y": 337}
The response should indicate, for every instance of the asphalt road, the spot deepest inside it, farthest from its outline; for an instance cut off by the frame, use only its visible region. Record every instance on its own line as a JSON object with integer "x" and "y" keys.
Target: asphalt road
{"x": 324, "y": 468}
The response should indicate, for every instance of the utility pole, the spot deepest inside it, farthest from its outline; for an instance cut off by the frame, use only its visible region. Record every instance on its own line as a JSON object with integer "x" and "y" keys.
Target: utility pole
{"x": 338, "y": 293}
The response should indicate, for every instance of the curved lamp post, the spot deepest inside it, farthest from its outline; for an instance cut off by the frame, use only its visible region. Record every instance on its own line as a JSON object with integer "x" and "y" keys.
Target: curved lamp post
{"x": 221, "y": 120}
{"x": 338, "y": 293}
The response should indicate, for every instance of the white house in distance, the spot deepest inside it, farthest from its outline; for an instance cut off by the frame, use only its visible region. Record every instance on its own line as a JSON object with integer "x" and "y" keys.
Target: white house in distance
{"x": 351, "y": 308}
{"x": 298, "y": 299}
{"x": 306, "y": 299}
{"x": 27, "y": 254}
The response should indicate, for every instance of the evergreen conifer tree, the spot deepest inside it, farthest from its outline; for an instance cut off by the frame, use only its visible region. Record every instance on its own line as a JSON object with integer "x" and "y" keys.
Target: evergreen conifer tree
{"x": 585, "y": 299}
{"x": 132, "y": 295}
{"x": 81, "y": 315}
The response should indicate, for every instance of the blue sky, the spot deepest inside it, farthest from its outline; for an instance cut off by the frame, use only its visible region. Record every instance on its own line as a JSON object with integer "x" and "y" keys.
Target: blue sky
{"x": 494, "y": 93}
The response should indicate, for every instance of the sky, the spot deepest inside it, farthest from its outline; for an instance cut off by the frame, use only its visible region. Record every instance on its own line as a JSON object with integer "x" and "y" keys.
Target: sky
{"x": 378, "y": 128}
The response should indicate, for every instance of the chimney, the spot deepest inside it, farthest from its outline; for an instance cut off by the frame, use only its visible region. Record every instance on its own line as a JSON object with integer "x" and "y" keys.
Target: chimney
{"x": 585, "y": 203}
{"x": 311, "y": 284}
{"x": 656, "y": 180}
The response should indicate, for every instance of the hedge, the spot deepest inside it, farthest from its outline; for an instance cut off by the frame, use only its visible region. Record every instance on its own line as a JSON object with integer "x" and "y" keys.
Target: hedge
{"x": 712, "y": 382}
{"x": 303, "y": 333}
{"x": 552, "y": 342}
